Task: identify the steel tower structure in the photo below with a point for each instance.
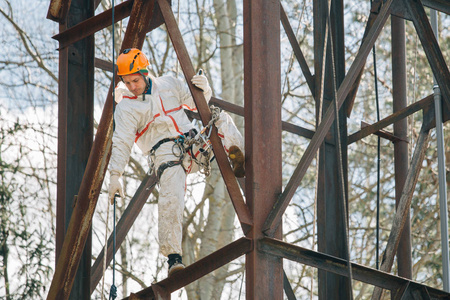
(82, 164)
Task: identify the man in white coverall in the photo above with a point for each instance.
(150, 112)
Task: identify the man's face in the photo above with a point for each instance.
(135, 83)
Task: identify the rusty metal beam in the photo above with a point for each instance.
(401, 11)
(75, 136)
(339, 266)
(298, 130)
(159, 293)
(288, 288)
(104, 20)
(424, 104)
(280, 206)
(401, 159)
(199, 269)
(430, 46)
(385, 134)
(440, 5)
(123, 226)
(237, 199)
(81, 219)
(327, 262)
(228, 106)
(103, 64)
(58, 10)
(412, 290)
(404, 205)
(401, 114)
(94, 24)
(63, 107)
(262, 98)
(239, 110)
(297, 51)
(332, 187)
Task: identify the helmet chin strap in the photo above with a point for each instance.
(147, 86)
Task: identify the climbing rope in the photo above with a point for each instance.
(113, 290)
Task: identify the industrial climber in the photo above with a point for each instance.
(150, 112)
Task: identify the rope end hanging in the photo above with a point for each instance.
(113, 292)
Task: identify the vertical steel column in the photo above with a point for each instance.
(331, 224)
(62, 148)
(441, 168)
(401, 161)
(264, 272)
(75, 133)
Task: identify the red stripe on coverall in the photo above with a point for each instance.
(139, 134)
(180, 107)
(172, 110)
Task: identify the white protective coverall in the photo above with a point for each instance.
(147, 120)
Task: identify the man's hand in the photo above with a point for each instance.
(115, 187)
(200, 81)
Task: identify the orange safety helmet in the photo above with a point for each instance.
(131, 61)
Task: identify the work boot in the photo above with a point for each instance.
(175, 263)
(237, 161)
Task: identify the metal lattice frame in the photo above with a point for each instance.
(262, 246)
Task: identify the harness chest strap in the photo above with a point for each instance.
(158, 144)
(191, 133)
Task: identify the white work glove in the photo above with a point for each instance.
(115, 187)
(200, 81)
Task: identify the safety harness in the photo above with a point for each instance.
(184, 145)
